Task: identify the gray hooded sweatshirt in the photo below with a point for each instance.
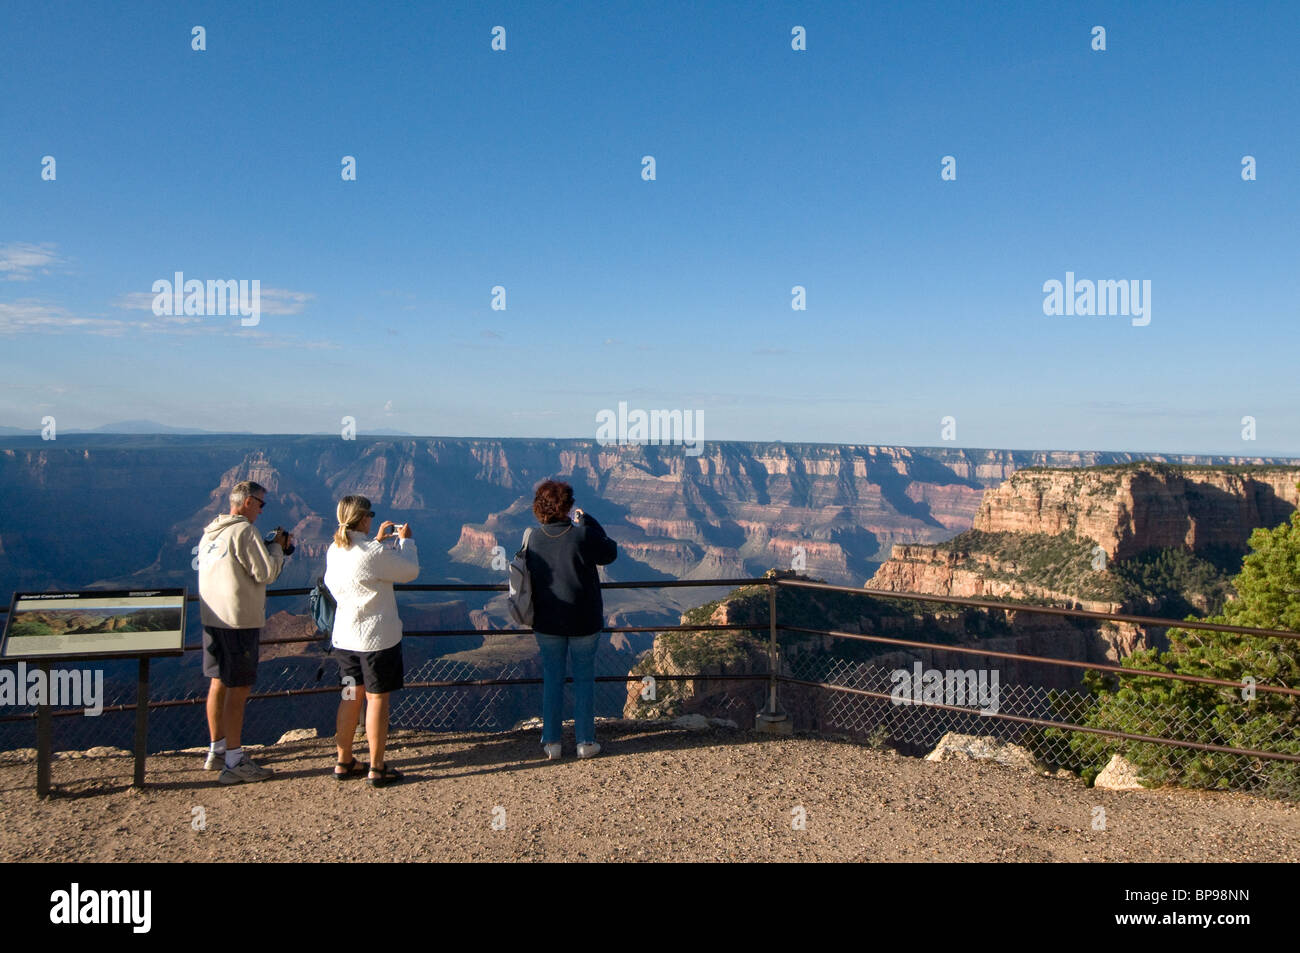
(234, 568)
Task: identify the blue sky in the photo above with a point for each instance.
(774, 168)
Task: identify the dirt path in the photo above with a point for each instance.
(655, 793)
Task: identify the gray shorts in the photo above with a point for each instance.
(231, 655)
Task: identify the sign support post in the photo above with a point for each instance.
(44, 736)
(141, 721)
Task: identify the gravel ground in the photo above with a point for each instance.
(655, 793)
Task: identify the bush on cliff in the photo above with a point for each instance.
(1268, 589)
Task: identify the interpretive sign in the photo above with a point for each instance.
(94, 624)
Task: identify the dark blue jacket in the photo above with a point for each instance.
(562, 560)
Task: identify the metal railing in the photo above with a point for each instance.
(786, 677)
(1051, 721)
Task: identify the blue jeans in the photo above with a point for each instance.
(582, 650)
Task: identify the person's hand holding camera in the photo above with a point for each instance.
(282, 538)
(390, 530)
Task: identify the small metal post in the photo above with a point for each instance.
(772, 719)
(773, 658)
(44, 736)
(141, 721)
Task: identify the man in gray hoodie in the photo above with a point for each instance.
(234, 567)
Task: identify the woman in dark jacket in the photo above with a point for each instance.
(568, 613)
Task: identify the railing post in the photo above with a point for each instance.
(141, 721)
(772, 720)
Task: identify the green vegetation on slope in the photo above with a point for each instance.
(1062, 563)
(1183, 583)
(1167, 580)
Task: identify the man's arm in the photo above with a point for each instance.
(261, 562)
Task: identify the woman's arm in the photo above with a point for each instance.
(397, 565)
(600, 548)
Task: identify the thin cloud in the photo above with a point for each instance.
(22, 261)
(261, 339)
(30, 316)
(282, 301)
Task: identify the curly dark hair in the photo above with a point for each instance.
(552, 501)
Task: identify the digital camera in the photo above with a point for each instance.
(273, 535)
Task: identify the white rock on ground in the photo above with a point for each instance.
(1119, 775)
(103, 751)
(696, 722)
(692, 722)
(298, 734)
(982, 748)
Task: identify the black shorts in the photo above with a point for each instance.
(379, 672)
(231, 655)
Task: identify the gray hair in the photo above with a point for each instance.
(242, 491)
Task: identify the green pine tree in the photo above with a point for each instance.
(1268, 597)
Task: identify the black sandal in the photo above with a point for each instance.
(387, 776)
(353, 769)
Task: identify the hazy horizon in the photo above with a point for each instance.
(6, 433)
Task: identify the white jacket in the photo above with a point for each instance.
(361, 580)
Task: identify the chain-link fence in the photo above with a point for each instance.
(462, 708)
(879, 704)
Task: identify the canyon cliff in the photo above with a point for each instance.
(1144, 538)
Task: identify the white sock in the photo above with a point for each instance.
(218, 747)
(234, 756)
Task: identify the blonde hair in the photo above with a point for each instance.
(352, 511)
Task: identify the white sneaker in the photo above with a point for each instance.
(246, 770)
(214, 760)
(589, 751)
(552, 752)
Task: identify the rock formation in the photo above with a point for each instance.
(1128, 510)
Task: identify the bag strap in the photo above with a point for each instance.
(528, 532)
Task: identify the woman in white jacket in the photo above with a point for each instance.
(359, 573)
